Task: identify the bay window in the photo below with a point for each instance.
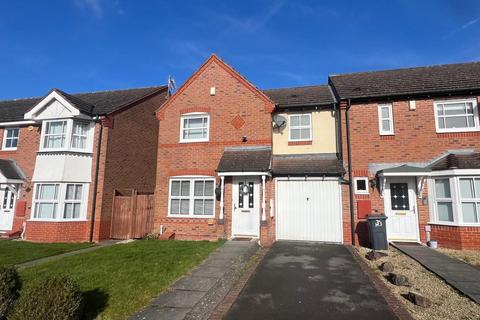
(59, 201)
(66, 135)
(456, 115)
(192, 197)
(456, 200)
(470, 199)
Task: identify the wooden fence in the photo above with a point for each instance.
(132, 215)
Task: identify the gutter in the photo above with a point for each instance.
(97, 171)
(350, 173)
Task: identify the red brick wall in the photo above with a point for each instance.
(415, 140)
(40, 231)
(25, 156)
(131, 155)
(466, 238)
(233, 98)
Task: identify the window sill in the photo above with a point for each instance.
(300, 142)
(65, 151)
(190, 217)
(193, 141)
(57, 220)
(453, 224)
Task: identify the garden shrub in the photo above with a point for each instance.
(9, 287)
(53, 298)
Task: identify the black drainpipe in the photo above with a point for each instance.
(95, 186)
(350, 178)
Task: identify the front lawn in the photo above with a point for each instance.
(15, 252)
(121, 279)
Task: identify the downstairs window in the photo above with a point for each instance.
(60, 201)
(192, 197)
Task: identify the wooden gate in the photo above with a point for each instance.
(132, 214)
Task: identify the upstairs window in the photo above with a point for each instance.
(385, 119)
(300, 127)
(10, 138)
(66, 135)
(55, 134)
(80, 135)
(194, 127)
(456, 115)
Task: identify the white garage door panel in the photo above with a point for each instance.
(309, 211)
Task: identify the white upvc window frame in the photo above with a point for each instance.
(456, 200)
(67, 145)
(366, 191)
(381, 131)
(60, 201)
(191, 197)
(476, 122)
(5, 138)
(291, 127)
(194, 115)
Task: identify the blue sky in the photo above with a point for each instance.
(90, 45)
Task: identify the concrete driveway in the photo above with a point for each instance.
(309, 281)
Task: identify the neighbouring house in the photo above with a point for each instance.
(59, 149)
(413, 136)
(235, 161)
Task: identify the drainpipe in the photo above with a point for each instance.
(350, 173)
(336, 107)
(95, 186)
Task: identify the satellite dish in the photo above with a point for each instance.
(279, 121)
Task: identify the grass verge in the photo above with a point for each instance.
(121, 279)
(14, 252)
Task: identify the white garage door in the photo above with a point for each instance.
(309, 210)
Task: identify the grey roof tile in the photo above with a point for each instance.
(305, 164)
(436, 79)
(301, 96)
(101, 102)
(245, 159)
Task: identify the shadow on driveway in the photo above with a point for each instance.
(298, 280)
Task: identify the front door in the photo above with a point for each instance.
(7, 209)
(245, 204)
(401, 209)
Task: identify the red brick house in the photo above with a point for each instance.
(234, 161)
(412, 136)
(63, 155)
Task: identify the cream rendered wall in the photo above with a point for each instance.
(323, 135)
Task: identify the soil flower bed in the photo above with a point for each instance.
(447, 303)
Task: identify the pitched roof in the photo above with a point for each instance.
(438, 79)
(245, 159)
(222, 64)
(304, 164)
(10, 170)
(301, 96)
(457, 161)
(101, 102)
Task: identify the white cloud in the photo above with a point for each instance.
(93, 6)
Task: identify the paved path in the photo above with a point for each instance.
(460, 275)
(309, 281)
(196, 295)
(99, 245)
